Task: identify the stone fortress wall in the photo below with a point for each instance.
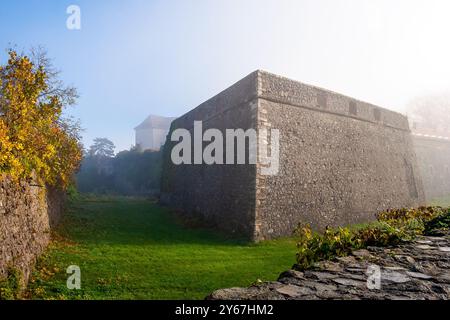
(433, 157)
(341, 161)
(28, 212)
(222, 195)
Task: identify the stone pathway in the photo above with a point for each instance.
(415, 270)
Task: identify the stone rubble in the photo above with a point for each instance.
(418, 270)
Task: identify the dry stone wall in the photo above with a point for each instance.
(341, 161)
(412, 271)
(27, 213)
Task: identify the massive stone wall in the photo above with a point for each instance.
(27, 214)
(341, 161)
(223, 195)
(433, 157)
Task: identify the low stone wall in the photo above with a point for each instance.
(27, 213)
(414, 271)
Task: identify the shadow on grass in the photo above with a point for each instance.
(131, 221)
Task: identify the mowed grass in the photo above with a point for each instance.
(134, 249)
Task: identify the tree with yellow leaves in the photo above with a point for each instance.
(34, 136)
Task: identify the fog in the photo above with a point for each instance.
(385, 52)
(430, 114)
(140, 57)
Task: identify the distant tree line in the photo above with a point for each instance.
(133, 172)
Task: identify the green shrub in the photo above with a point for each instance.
(72, 193)
(313, 246)
(11, 285)
(404, 215)
(439, 224)
(392, 227)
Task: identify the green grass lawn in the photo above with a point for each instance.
(133, 249)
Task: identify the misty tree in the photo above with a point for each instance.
(102, 147)
(133, 172)
(432, 111)
(95, 173)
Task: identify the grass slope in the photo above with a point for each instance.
(132, 249)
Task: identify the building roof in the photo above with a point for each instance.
(155, 122)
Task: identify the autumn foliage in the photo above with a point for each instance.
(34, 136)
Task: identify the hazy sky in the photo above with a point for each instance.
(133, 58)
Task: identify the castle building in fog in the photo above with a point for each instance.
(151, 133)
